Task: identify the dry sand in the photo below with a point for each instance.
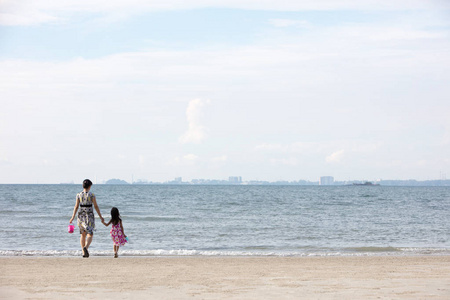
(422, 277)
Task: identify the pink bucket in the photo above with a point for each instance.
(71, 228)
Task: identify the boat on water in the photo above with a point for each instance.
(367, 183)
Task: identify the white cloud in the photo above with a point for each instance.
(422, 163)
(333, 88)
(271, 147)
(402, 34)
(335, 157)
(297, 147)
(29, 12)
(218, 159)
(4, 162)
(196, 132)
(141, 159)
(386, 32)
(190, 157)
(291, 161)
(360, 147)
(26, 19)
(363, 147)
(185, 160)
(446, 137)
(289, 23)
(296, 66)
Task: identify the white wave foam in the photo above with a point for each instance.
(188, 252)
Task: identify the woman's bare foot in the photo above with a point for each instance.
(85, 252)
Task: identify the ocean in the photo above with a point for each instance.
(236, 220)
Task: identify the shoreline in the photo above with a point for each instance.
(213, 277)
(109, 255)
(388, 251)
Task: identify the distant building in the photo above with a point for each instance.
(235, 179)
(178, 179)
(326, 180)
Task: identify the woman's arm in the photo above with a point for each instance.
(121, 227)
(77, 203)
(94, 200)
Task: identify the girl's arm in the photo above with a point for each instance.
(94, 200)
(106, 224)
(121, 227)
(77, 203)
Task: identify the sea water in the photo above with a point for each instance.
(236, 220)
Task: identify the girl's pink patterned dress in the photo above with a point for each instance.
(117, 235)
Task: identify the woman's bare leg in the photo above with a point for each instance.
(83, 239)
(88, 240)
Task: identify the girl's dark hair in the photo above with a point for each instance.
(87, 184)
(115, 216)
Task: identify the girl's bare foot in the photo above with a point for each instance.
(116, 255)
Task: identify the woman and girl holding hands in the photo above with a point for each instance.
(86, 221)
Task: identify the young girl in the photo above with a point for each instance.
(117, 234)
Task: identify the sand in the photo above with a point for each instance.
(421, 277)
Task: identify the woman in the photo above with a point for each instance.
(86, 220)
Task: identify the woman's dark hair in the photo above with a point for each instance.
(87, 184)
(115, 216)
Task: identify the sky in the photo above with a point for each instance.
(266, 90)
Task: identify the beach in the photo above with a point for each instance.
(369, 277)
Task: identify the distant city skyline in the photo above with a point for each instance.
(269, 91)
(237, 180)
